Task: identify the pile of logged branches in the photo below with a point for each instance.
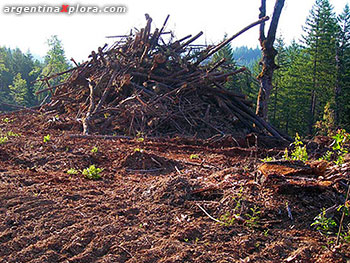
(142, 85)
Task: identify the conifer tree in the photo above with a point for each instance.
(278, 81)
(320, 40)
(290, 79)
(12, 63)
(55, 62)
(19, 91)
(342, 113)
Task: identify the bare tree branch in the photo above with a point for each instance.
(225, 42)
(262, 25)
(271, 36)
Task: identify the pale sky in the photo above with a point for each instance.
(82, 33)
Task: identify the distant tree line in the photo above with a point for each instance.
(18, 72)
(247, 57)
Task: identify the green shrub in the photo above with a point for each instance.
(338, 152)
(92, 173)
(324, 224)
(268, 159)
(47, 138)
(94, 149)
(194, 156)
(253, 216)
(3, 139)
(299, 152)
(72, 171)
(340, 139)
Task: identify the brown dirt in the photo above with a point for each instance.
(146, 207)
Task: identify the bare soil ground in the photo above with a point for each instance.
(149, 205)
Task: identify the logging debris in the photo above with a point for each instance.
(142, 85)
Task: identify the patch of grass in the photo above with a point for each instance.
(12, 134)
(138, 150)
(253, 217)
(338, 152)
(3, 139)
(94, 149)
(230, 218)
(346, 236)
(194, 156)
(72, 171)
(141, 139)
(324, 224)
(268, 159)
(92, 173)
(196, 240)
(47, 138)
(266, 232)
(299, 152)
(7, 120)
(327, 156)
(327, 225)
(338, 145)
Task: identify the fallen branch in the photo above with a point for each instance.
(212, 218)
(343, 215)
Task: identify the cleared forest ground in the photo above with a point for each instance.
(153, 201)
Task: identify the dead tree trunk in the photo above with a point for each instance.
(268, 57)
